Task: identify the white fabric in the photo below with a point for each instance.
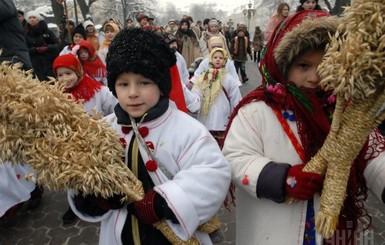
(220, 111)
(201, 175)
(65, 50)
(103, 102)
(255, 138)
(191, 99)
(204, 65)
(14, 188)
(182, 68)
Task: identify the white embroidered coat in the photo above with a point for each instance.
(103, 102)
(255, 138)
(201, 175)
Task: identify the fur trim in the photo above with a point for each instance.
(310, 34)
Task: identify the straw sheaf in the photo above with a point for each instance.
(41, 126)
(357, 52)
(310, 34)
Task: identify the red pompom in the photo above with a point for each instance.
(123, 142)
(126, 130)
(150, 145)
(143, 131)
(245, 180)
(151, 165)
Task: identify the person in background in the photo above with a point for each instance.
(282, 13)
(130, 23)
(20, 15)
(92, 34)
(191, 99)
(12, 44)
(188, 45)
(143, 21)
(172, 27)
(308, 5)
(92, 65)
(110, 30)
(258, 41)
(138, 65)
(42, 45)
(219, 94)
(240, 48)
(78, 34)
(214, 42)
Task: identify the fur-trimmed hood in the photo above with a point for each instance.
(310, 34)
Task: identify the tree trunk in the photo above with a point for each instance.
(58, 11)
(85, 9)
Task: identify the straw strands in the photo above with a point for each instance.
(353, 67)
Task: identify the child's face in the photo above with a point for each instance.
(241, 34)
(218, 59)
(110, 35)
(303, 71)
(214, 28)
(136, 93)
(78, 38)
(184, 26)
(143, 22)
(33, 20)
(90, 28)
(67, 76)
(83, 54)
(309, 4)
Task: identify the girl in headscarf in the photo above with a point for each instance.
(219, 94)
(277, 128)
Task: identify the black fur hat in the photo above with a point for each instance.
(80, 30)
(141, 52)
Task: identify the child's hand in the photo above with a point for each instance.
(150, 209)
(302, 185)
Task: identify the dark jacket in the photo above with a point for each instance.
(37, 37)
(12, 40)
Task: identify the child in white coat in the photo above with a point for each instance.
(219, 94)
(184, 174)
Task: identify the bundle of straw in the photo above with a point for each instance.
(42, 126)
(353, 68)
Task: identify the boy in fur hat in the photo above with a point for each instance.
(277, 128)
(219, 94)
(169, 151)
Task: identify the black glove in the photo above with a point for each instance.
(383, 196)
(96, 205)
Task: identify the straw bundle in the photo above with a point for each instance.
(353, 69)
(42, 126)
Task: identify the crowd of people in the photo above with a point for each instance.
(189, 136)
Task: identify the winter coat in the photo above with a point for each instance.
(12, 41)
(41, 36)
(258, 40)
(256, 137)
(185, 157)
